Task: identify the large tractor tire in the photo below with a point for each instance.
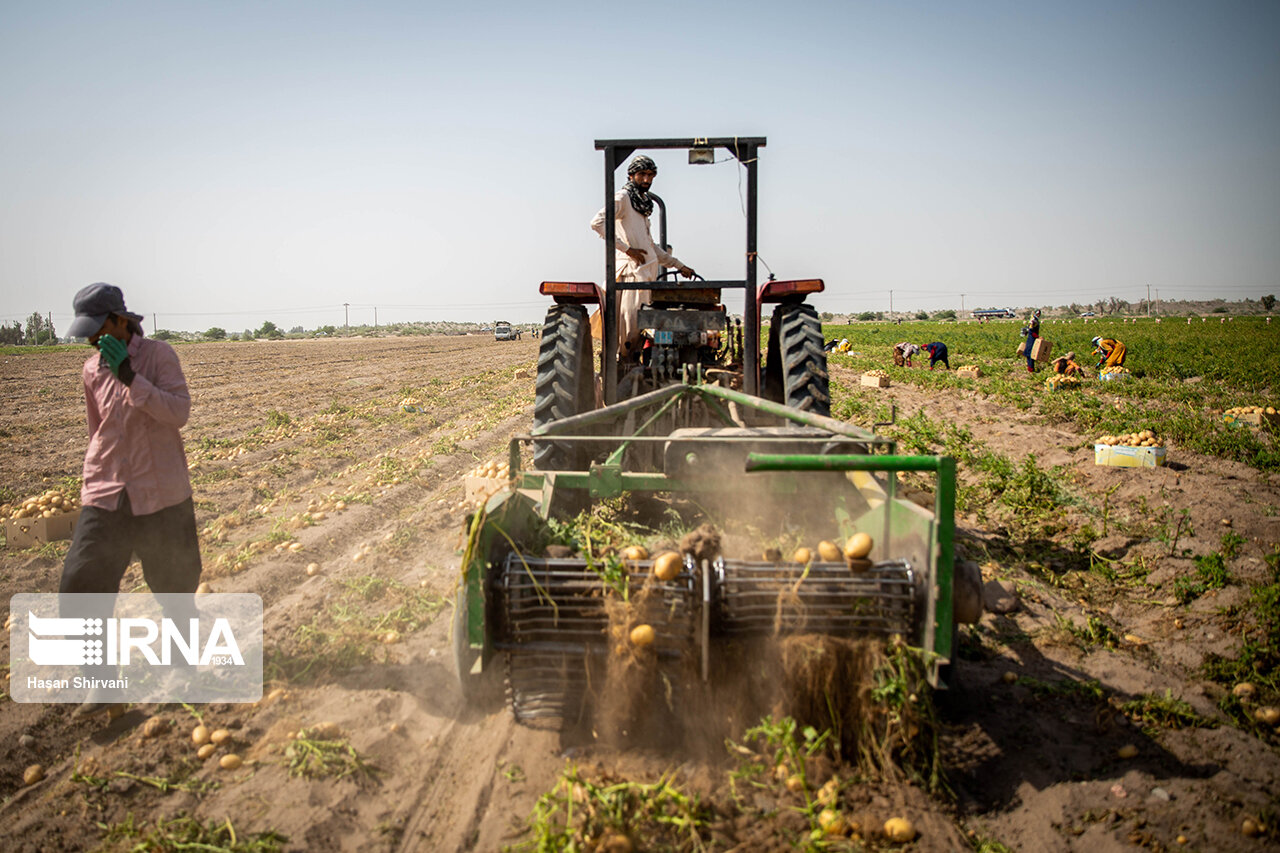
(566, 383)
(795, 365)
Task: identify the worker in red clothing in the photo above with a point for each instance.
(136, 495)
(937, 353)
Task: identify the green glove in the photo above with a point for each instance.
(117, 357)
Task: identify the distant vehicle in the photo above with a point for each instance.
(992, 313)
(504, 331)
(1088, 314)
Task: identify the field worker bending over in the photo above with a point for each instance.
(638, 258)
(136, 495)
(903, 352)
(1067, 366)
(1110, 352)
(937, 353)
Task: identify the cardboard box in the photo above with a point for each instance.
(1124, 456)
(1022, 348)
(1261, 419)
(875, 381)
(1041, 349)
(969, 374)
(483, 487)
(1113, 377)
(25, 532)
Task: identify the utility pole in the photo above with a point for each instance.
(153, 325)
(890, 304)
(346, 318)
(53, 339)
(375, 319)
(962, 303)
(1157, 300)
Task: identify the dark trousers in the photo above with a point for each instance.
(106, 540)
(939, 355)
(103, 544)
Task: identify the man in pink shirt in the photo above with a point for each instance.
(136, 495)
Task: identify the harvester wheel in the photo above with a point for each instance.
(566, 383)
(796, 365)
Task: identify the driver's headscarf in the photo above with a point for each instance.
(639, 197)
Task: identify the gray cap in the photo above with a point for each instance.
(93, 304)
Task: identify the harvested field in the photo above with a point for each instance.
(1125, 606)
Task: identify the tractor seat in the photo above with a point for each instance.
(689, 297)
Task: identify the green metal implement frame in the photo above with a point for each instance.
(510, 513)
(939, 594)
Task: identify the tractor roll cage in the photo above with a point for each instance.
(745, 149)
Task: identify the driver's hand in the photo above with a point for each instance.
(636, 255)
(687, 272)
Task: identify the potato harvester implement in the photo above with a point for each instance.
(696, 437)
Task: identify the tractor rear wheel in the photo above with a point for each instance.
(796, 365)
(566, 383)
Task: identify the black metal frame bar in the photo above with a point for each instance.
(745, 149)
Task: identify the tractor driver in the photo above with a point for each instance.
(638, 257)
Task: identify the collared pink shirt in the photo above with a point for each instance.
(134, 443)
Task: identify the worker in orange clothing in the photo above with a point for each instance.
(1067, 366)
(1109, 351)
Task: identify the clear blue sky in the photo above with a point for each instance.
(233, 162)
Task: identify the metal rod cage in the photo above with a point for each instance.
(745, 149)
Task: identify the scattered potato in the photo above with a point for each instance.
(642, 635)
(231, 761)
(803, 556)
(667, 566)
(1250, 828)
(795, 783)
(832, 822)
(200, 735)
(858, 546)
(220, 736)
(205, 751)
(324, 731)
(828, 552)
(1127, 751)
(1244, 690)
(313, 569)
(1268, 715)
(155, 726)
(1009, 678)
(32, 774)
(613, 841)
(899, 830)
(635, 553)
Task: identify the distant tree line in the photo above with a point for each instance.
(38, 330)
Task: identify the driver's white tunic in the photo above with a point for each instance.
(632, 232)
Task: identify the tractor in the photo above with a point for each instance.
(695, 423)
